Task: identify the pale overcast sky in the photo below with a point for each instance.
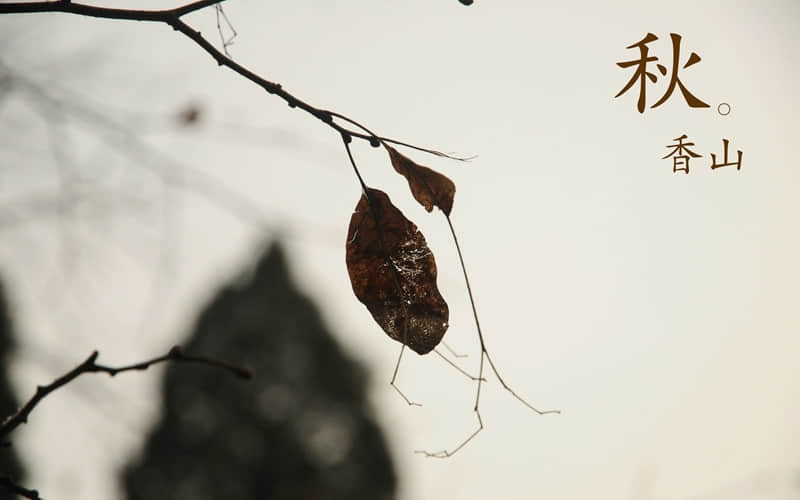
(657, 309)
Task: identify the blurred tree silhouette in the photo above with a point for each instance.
(9, 463)
(301, 429)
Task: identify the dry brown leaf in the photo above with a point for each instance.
(429, 187)
(393, 273)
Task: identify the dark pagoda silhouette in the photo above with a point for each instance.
(301, 429)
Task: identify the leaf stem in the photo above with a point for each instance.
(346, 141)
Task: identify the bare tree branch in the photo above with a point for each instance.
(172, 17)
(91, 366)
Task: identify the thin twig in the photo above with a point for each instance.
(453, 351)
(376, 140)
(394, 378)
(484, 355)
(226, 42)
(429, 151)
(458, 368)
(90, 365)
(450, 453)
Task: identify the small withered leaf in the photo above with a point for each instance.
(429, 187)
(393, 273)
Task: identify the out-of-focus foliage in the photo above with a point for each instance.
(301, 428)
(9, 463)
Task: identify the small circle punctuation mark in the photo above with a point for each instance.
(724, 108)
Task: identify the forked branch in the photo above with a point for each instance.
(90, 365)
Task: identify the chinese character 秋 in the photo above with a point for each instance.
(738, 162)
(680, 162)
(641, 72)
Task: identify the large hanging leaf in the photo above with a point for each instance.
(393, 273)
(429, 187)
